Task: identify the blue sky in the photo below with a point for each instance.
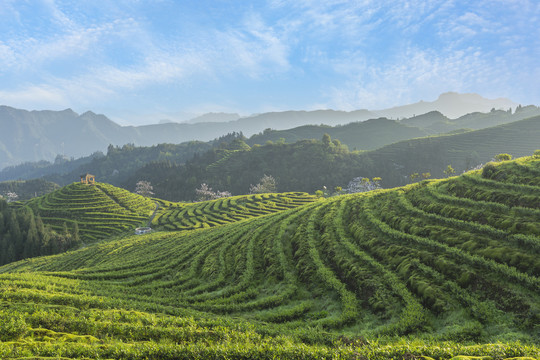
(142, 61)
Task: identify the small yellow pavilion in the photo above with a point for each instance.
(88, 179)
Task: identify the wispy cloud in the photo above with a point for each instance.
(335, 53)
(416, 75)
(44, 97)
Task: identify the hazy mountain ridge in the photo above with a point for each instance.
(389, 136)
(42, 135)
(451, 104)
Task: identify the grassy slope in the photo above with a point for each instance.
(454, 260)
(104, 210)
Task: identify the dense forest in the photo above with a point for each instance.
(27, 189)
(306, 165)
(24, 235)
(113, 167)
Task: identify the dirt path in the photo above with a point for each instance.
(153, 215)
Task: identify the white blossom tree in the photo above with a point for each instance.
(11, 196)
(363, 184)
(205, 193)
(267, 184)
(144, 188)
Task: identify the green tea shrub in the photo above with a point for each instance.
(12, 327)
(488, 171)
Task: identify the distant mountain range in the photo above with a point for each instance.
(42, 135)
(451, 104)
(228, 163)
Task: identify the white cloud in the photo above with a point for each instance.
(35, 96)
(7, 57)
(82, 43)
(414, 76)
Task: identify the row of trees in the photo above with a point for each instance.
(23, 235)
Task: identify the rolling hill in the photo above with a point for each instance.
(454, 263)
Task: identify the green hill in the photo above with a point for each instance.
(92, 212)
(305, 166)
(463, 151)
(449, 262)
(375, 133)
(365, 135)
(99, 210)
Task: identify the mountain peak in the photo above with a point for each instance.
(451, 104)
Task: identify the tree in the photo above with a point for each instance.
(414, 176)
(326, 139)
(11, 196)
(144, 188)
(267, 184)
(362, 184)
(205, 193)
(503, 157)
(426, 175)
(449, 171)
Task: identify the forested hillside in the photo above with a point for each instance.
(27, 189)
(309, 165)
(24, 235)
(461, 151)
(306, 166)
(366, 135)
(454, 263)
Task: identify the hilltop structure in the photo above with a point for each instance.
(88, 179)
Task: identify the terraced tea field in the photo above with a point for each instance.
(448, 262)
(183, 216)
(100, 210)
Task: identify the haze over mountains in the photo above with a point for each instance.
(42, 135)
(451, 104)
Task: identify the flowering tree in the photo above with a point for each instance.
(11, 196)
(205, 193)
(363, 184)
(144, 188)
(267, 184)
